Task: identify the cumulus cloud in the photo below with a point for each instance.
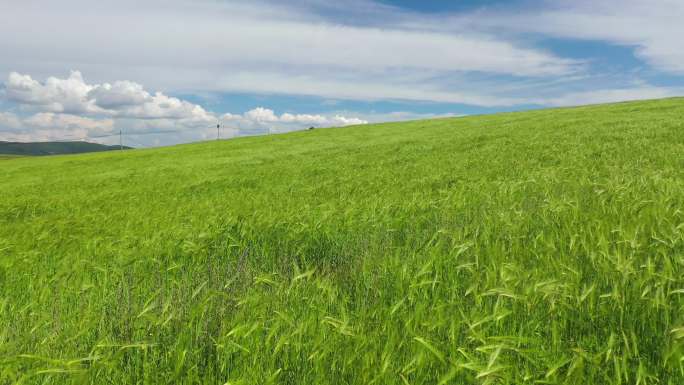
(261, 115)
(122, 99)
(68, 95)
(162, 106)
(260, 118)
(117, 95)
(320, 120)
(70, 108)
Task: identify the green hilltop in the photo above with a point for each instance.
(541, 247)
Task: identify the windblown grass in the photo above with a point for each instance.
(542, 247)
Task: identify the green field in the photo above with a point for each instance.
(542, 247)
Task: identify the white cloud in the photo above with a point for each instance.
(51, 126)
(234, 33)
(302, 118)
(51, 120)
(122, 99)
(68, 95)
(161, 106)
(653, 29)
(385, 87)
(362, 51)
(303, 50)
(263, 118)
(261, 115)
(102, 109)
(338, 120)
(117, 95)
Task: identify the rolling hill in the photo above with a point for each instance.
(542, 247)
(52, 148)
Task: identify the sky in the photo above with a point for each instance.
(167, 72)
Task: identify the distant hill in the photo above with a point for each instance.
(53, 148)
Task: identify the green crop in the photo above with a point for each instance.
(542, 247)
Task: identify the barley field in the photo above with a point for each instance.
(542, 247)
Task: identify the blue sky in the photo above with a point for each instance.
(165, 72)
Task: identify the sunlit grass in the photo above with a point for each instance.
(542, 247)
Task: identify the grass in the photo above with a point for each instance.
(542, 247)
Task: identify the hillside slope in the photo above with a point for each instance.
(536, 247)
(52, 148)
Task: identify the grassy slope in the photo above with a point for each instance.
(543, 246)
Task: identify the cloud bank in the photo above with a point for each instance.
(70, 108)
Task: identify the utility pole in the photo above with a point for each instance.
(121, 140)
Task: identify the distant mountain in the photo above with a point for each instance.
(53, 148)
